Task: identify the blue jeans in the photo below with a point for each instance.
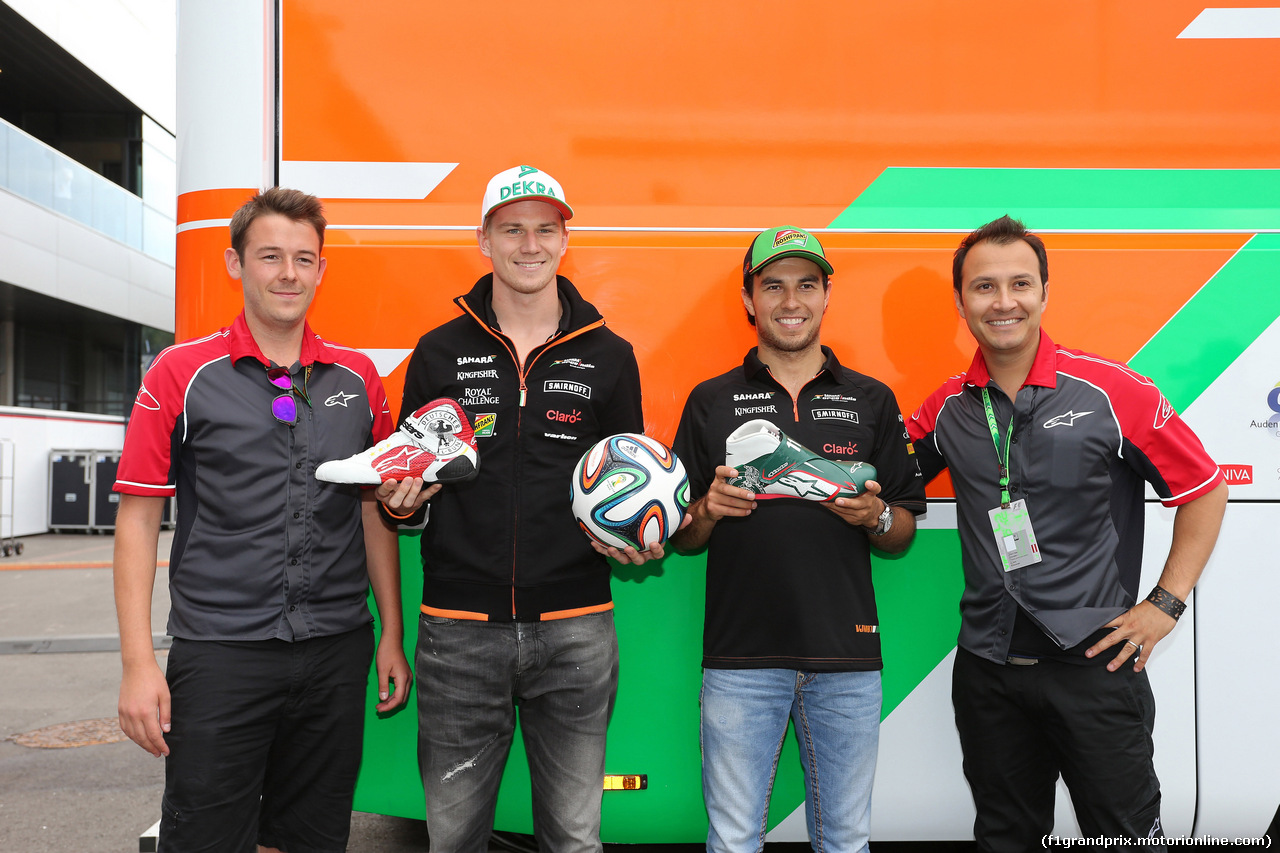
(744, 721)
(472, 676)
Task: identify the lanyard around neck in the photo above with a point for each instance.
(1005, 499)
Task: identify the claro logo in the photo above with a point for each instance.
(841, 449)
(564, 417)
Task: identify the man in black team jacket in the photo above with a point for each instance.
(516, 607)
(791, 627)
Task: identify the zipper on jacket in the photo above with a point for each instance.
(522, 370)
(795, 401)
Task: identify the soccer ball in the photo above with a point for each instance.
(629, 489)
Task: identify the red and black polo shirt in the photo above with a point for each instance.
(262, 549)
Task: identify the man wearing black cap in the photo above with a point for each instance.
(516, 606)
(791, 628)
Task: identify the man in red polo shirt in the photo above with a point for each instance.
(260, 712)
(1049, 451)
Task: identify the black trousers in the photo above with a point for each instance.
(1023, 726)
(266, 743)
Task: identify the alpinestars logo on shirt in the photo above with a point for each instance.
(1069, 419)
(339, 399)
(146, 400)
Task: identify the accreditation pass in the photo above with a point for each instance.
(1015, 539)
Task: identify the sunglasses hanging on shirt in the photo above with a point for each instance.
(284, 407)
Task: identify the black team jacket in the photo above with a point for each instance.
(504, 546)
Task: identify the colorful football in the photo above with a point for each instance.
(629, 489)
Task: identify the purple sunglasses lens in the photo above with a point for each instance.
(280, 378)
(285, 409)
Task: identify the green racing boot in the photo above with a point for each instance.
(774, 466)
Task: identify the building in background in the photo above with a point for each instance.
(87, 213)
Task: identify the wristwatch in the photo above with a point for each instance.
(884, 521)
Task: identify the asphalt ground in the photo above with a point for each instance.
(70, 782)
(60, 665)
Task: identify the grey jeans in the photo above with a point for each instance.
(562, 675)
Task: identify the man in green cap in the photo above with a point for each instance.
(791, 628)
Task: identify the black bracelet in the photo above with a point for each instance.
(1167, 602)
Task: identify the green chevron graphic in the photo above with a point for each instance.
(1216, 325)
(1209, 332)
(928, 199)
(654, 729)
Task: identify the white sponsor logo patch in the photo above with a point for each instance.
(479, 397)
(564, 386)
(835, 415)
(739, 411)
(574, 362)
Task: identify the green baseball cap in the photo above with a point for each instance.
(784, 242)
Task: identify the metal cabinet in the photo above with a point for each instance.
(70, 488)
(80, 495)
(105, 501)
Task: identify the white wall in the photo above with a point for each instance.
(226, 133)
(51, 254)
(132, 44)
(1236, 679)
(34, 432)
